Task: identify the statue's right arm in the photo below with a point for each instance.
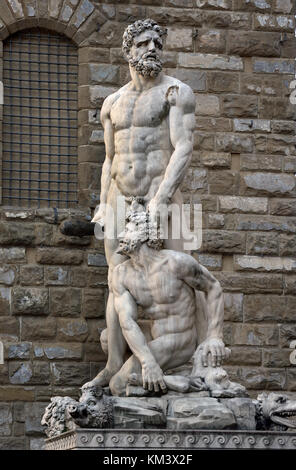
(106, 169)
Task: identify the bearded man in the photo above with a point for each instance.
(148, 132)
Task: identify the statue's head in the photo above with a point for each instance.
(138, 230)
(142, 47)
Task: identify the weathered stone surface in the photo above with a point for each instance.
(5, 419)
(223, 182)
(216, 4)
(31, 275)
(271, 308)
(65, 302)
(251, 283)
(34, 412)
(93, 303)
(211, 40)
(287, 335)
(194, 179)
(276, 357)
(253, 5)
(243, 204)
(56, 276)
(255, 335)
(283, 6)
(203, 141)
(273, 66)
(245, 44)
(223, 82)
(13, 233)
(58, 256)
(274, 22)
(216, 221)
(58, 351)
(199, 413)
(210, 261)
(276, 108)
(287, 245)
(282, 206)
(36, 373)
(96, 259)
(12, 255)
(268, 184)
(263, 379)
(240, 106)
(232, 20)
(223, 241)
(234, 143)
(7, 275)
(179, 39)
(5, 300)
(268, 264)
(14, 443)
(243, 410)
(196, 79)
(210, 61)
(244, 356)
(233, 307)
(251, 125)
(9, 326)
(29, 301)
(72, 330)
(262, 244)
(261, 162)
(216, 159)
(147, 412)
(265, 223)
(38, 330)
(68, 374)
(19, 350)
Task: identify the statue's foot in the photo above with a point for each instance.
(101, 380)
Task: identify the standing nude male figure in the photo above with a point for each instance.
(148, 131)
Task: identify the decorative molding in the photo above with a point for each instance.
(94, 439)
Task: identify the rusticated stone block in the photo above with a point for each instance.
(222, 182)
(65, 302)
(258, 44)
(276, 108)
(251, 283)
(283, 127)
(210, 61)
(261, 85)
(68, 374)
(87, 55)
(243, 204)
(58, 351)
(5, 300)
(58, 256)
(253, 5)
(93, 303)
(207, 105)
(34, 413)
(216, 4)
(216, 221)
(290, 164)
(287, 335)
(231, 20)
(275, 184)
(261, 162)
(282, 206)
(9, 326)
(281, 144)
(263, 379)
(93, 352)
(284, 6)
(72, 330)
(264, 308)
(276, 357)
(15, 443)
(273, 66)
(179, 39)
(262, 244)
(255, 335)
(223, 82)
(18, 350)
(99, 73)
(12, 255)
(196, 79)
(240, 106)
(56, 276)
(7, 275)
(29, 373)
(5, 419)
(251, 125)
(216, 159)
(267, 263)
(31, 275)
(38, 330)
(14, 233)
(234, 143)
(290, 284)
(167, 16)
(213, 124)
(244, 411)
(97, 277)
(211, 41)
(265, 223)
(274, 22)
(15, 394)
(291, 379)
(244, 356)
(223, 241)
(203, 141)
(210, 261)
(194, 179)
(29, 301)
(233, 307)
(287, 245)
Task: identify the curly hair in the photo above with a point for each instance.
(137, 28)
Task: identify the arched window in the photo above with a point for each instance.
(40, 77)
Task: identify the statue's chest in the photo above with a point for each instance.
(147, 109)
(155, 288)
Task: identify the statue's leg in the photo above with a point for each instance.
(169, 351)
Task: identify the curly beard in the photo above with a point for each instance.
(147, 67)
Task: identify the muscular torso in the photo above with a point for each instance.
(140, 122)
(168, 302)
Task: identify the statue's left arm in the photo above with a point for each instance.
(199, 278)
(181, 125)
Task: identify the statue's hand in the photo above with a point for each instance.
(153, 377)
(216, 348)
(99, 216)
(155, 209)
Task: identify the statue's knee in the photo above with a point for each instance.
(104, 341)
(117, 386)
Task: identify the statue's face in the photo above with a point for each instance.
(133, 237)
(146, 53)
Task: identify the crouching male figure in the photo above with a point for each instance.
(162, 282)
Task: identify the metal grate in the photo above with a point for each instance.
(40, 76)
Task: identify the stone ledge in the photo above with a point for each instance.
(96, 439)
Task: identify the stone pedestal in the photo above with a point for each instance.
(165, 439)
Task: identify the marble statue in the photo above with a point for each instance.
(148, 131)
(275, 411)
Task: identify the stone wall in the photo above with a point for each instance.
(238, 56)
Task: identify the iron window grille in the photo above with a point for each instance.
(40, 77)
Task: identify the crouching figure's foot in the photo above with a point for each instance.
(101, 380)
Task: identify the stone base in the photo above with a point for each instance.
(133, 439)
